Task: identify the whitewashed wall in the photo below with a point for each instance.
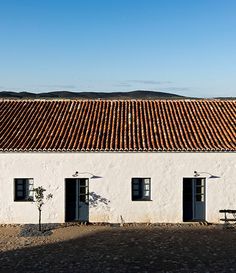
(166, 171)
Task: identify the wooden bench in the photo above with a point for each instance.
(231, 213)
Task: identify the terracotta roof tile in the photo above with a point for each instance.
(125, 125)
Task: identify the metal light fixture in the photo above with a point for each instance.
(76, 174)
(211, 176)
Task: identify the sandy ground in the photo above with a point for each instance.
(179, 248)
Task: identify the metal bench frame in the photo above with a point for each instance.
(226, 219)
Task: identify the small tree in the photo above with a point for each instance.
(40, 201)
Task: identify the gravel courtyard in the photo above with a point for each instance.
(164, 248)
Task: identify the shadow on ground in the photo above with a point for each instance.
(130, 250)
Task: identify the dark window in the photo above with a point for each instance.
(24, 189)
(141, 189)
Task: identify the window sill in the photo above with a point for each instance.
(141, 200)
(23, 200)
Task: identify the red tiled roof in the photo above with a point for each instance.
(127, 125)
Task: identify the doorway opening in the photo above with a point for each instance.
(76, 199)
(194, 199)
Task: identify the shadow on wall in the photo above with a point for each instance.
(95, 200)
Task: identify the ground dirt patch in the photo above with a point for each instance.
(169, 248)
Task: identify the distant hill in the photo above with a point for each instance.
(138, 94)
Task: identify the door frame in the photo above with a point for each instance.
(193, 198)
(65, 200)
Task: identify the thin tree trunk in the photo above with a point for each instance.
(40, 228)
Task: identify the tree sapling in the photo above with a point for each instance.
(40, 201)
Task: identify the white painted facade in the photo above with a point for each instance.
(166, 170)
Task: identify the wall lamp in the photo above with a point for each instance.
(211, 176)
(76, 174)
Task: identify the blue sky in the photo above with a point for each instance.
(185, 47)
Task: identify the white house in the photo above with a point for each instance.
(117, 161)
